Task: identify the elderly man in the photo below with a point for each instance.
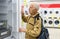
(32, 29)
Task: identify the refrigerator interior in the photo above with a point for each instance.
(9, 19)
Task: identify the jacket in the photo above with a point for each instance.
(33, 30)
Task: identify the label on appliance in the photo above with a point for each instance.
(1, 23)
(50, 5)
(4, 33)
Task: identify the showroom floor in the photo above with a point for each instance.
(54, 33)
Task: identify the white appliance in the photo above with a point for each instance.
(9, 19)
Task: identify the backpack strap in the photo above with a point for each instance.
(37, 16)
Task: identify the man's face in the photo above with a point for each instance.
(32, 9)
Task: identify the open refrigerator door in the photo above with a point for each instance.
(9, 19)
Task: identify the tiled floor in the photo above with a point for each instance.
(54, 33)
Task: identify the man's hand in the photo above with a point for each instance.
(22, 10)
(22, 30)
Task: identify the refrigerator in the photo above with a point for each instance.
(9, 19)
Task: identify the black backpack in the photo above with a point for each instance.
(44, 31)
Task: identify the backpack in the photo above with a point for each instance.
(44, 31)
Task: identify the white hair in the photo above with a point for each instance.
(35, 5)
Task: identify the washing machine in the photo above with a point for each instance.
(50, 22)
(45, 22)
(51, 13)
(56, 22)
(57, 12)
(56, 17)
(45, 12)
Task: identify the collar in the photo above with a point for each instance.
(35, 14)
